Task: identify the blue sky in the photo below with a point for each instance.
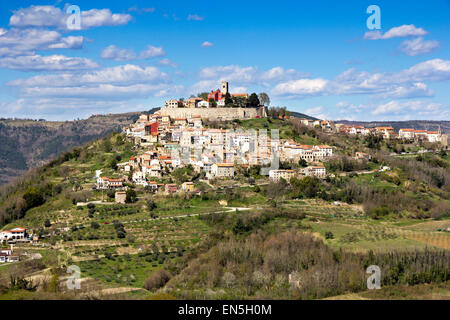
(316, 57)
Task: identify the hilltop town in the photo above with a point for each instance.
(138, 210)
(171, 142)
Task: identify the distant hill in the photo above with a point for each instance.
(302, 115)
(429, 125)
(26, 143)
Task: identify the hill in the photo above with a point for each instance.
(302, 115)
(238, 238)
(26, 143)
(430, 125)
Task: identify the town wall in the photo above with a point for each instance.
(215, 113)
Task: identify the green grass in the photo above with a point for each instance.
(121, 271)
(375, 182)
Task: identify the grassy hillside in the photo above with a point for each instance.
(235, 242)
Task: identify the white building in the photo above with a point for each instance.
(315, 171)
(276, 175)
(203, 104)
(13, 234)
(222, 170)
(172, 103)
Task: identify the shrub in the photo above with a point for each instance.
(157, 280)
(329, 235)
(131, 196)
(94, 225)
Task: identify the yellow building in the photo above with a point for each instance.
(188, 187)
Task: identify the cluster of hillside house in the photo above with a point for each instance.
(389, 133)
(294, 152)
(318, 171)
(430, 136)
(175, 143)
(325, 125)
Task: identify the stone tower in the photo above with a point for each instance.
(224, 89)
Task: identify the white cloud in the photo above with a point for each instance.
(26, 41)
(418, 46)
(167, 62)
(396, 32)
(232, 73)
(431, 70)
(207, 44)
(239, 89)
(47, 63)
(94, 90)
(50, 16)
(113, 53)
(202, 86)
(417, 89)
(279, 73)
(301, 87)
(351, 108)
(407, 83)
(152, 52)
(247, 75)
(120, 75)
(37, 16)
(102, 91)
(194, 17)
(421, 108)
(104, 17)
(141, 10)
(64, 109)
(317, 112)
(68, 43)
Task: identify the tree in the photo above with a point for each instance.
(131, 196)
(212, 103)
(106, 146)
(240, 102)
(264, 99)
(47, 223)
(203, 95)
(157, 280)
(113, 164)
(253, 100)
(228, 99)
(53, 286)
(33, 198)
(329, 235)
(95, 225)
(302, 163)
(151, 204)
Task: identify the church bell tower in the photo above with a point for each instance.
(224, 89)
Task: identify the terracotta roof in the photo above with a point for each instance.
(225, 164)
